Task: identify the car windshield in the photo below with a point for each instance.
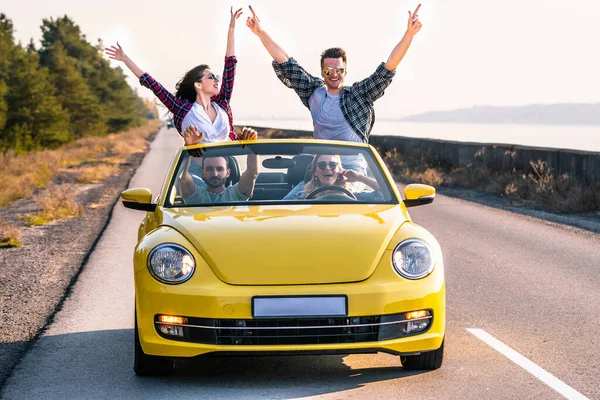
(278, 173)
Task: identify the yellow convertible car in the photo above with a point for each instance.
(284, 247)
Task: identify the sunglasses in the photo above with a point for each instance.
(212, 76)
(329, 70)
(323, 165)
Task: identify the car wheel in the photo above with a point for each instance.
(146, 365)
(426, 360)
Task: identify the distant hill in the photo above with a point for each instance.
(551, 114)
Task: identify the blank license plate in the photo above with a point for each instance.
(299, 306)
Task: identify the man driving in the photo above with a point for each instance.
(215, 172)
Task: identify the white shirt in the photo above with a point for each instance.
(217, 131)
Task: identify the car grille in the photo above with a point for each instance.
(299, 331)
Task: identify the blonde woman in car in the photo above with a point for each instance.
(327, 171)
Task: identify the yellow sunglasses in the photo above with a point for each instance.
(329, 70)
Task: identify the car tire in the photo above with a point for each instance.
(428, 360)
(146, 365)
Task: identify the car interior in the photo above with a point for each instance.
(269, 185)
(280, 170)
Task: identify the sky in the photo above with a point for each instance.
(468, 53)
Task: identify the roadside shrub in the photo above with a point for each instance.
(431, 177)
(10, 235)
(97, 173)
(55, 202)
(539, 186)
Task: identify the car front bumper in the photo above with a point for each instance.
(223, 313)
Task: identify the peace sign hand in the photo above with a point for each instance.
(234, 16)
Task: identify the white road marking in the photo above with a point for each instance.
(529, 366)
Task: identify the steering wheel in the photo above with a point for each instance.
(344, 191)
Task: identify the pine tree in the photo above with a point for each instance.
(6, 45)
(121, 106)
(63, 91)
(35, 119)
(86, 113)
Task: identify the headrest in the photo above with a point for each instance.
(296, 173)
(234, 176)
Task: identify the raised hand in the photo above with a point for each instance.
(234, 16)
(192, 136)
(253, 22)
(116, 53)
(348, 175)
(414, 25)
(248, 134)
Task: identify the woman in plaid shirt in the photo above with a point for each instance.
(198, 101)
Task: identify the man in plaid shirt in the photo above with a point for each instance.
(339, 112)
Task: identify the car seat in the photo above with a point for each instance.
(297, 173)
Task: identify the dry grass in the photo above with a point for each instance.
(22, 175)
(10, 235)
(540, 186)
(55, 202)
(97, 173)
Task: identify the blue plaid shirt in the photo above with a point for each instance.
(356, 101)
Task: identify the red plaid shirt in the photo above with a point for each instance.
(180, 107)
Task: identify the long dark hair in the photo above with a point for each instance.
(185, 87)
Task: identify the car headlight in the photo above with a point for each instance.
(413, 259)
(171, 263)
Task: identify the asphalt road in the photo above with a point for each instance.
(517, 288)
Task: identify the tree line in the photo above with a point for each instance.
(61, 91)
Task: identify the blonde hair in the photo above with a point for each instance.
(315, 183)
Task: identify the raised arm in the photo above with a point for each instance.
(187, 186)
(117, 53)
(248, 178)
(173, 104)
(231, 33)
(186, 182)
(278, 54)
(224, 94)
(414, 26)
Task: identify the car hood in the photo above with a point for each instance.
(289, 245)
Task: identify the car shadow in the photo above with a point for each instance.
(10, 352)
(100, 365)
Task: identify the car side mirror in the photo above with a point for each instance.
(138, 199)
(417, 194)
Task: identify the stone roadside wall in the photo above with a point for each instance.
(581, 165)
